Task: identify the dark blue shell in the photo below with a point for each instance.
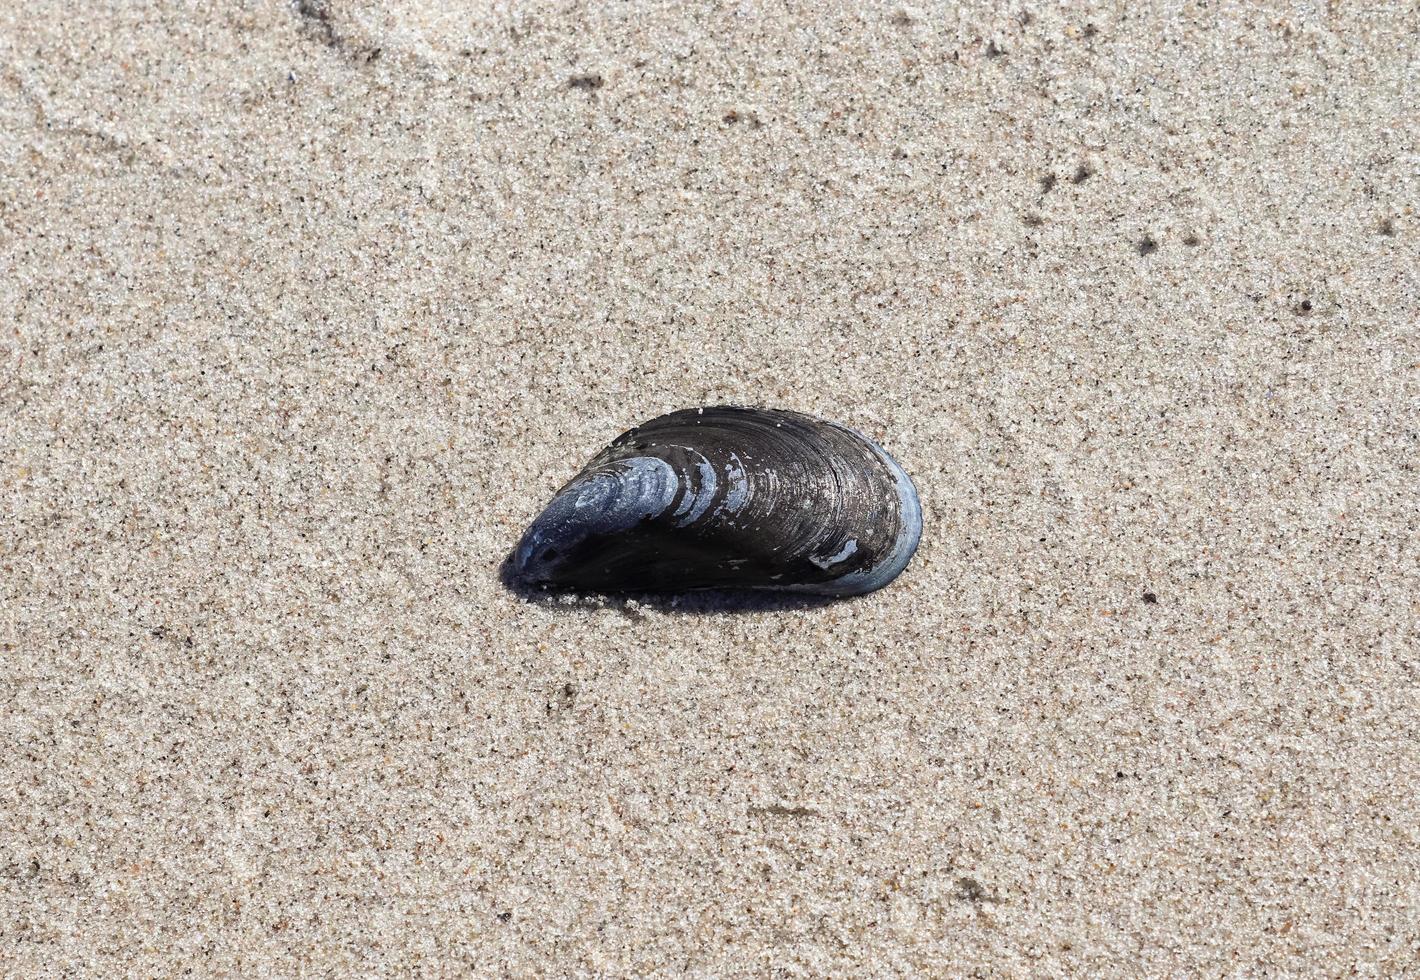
(727, 497)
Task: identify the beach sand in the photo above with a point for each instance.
(309, 307)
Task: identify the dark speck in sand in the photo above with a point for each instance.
(779, 810)
(970, 890)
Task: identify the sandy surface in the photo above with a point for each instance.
(308, 308)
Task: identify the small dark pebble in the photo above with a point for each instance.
(505, 916)
(587, 83)
(1150, 598)
(1148, 246)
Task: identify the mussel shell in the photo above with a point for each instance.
(728, 497)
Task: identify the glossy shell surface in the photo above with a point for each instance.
(728, 497)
